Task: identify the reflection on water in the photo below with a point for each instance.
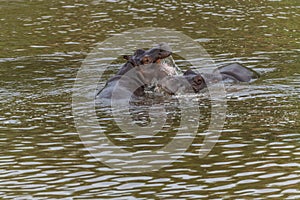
(42, 155)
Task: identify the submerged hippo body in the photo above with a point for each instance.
(237, 73)
(192, 82)
(140, 70)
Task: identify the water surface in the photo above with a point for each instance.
(43, 46)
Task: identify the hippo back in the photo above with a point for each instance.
(237, 73)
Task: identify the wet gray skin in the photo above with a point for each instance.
(192, 82)
(189, 82)
(237, 73)
(140, 70)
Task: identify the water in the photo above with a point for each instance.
(42, 156)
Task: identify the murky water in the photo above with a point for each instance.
(42, 155)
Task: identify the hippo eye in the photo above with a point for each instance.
(146, 60)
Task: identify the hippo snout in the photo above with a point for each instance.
(188, 83)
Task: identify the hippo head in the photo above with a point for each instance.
(154, 55)
(189, 82)
(149, 64)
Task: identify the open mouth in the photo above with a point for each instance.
(161, 89)
(155, 59)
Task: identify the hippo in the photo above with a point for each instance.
(237, 73)
(192, 82)
(189, 82)
(146, 70)
(140, 70)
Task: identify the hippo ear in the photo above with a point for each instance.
(189, 72)
(139, 52)
(126, 57)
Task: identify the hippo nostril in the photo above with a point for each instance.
(198, 80)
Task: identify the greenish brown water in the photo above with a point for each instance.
(43, 46)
